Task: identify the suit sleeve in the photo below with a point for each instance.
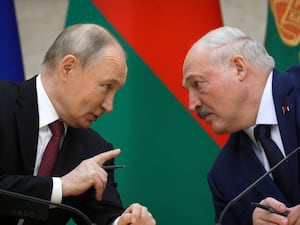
(16, 165)
(109, 208)
(29, 185)
(81, 144)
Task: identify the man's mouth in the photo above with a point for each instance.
(202, 113)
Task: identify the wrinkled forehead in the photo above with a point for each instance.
(194, 55)
(114, 50)
(196, 64)
(197, 56)
(114, 55)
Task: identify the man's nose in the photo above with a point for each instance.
(194, 101)
(107, 104)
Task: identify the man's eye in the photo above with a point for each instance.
(106, 87)
(200, 85)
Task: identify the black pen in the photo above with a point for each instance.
(112, 167)
(270, 209)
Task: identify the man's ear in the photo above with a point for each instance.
(67, 64)
(239, 63)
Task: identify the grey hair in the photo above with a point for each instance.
(225, 42)
(84, 41)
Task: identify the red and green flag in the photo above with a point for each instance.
(283, 32)
(166, 149)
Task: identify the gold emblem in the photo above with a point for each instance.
(287, 18)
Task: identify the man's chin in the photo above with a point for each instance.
(87, 124)
(218, 130)
(83, 124)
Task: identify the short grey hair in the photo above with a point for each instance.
(84, 41)
(225, 42)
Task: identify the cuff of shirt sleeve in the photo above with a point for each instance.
(56, 195)
(116, 221)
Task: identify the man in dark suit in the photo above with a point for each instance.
(81, 72)
(234, 87)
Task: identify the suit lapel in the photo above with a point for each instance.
(285, 110)
(250, 160)
(286, 116)
(27, 122)
(72, 151)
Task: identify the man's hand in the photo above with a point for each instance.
(88, 174)
(294, 215)
(264, 217)
(136, 214)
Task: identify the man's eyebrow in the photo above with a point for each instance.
(113, 80)
(186, 80)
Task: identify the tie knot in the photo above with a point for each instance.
(57, 128)
(262, 131)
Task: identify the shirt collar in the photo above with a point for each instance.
(47, 113)
(266, 111)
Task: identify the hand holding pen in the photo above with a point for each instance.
(89, 173)
(271, 211)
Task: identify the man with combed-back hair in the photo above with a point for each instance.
(80, 75)
(234, 87)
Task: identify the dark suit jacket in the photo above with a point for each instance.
(237, 166)
(18, 143)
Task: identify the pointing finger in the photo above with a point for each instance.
(103, 157)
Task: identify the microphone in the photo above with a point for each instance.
(253, 185)
(69, 208)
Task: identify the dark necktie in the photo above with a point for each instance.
(49, 156)
(51, 151)
(274, 155)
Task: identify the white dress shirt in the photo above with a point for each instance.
(266, 115)
(47, 115)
